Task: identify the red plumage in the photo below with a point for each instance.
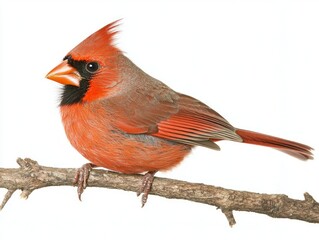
(120, 118)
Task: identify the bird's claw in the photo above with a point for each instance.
(81, 177)
(146, 186)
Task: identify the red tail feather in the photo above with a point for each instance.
(294, 149)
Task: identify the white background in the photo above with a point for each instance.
(255, 62)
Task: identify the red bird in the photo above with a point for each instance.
(122, 119)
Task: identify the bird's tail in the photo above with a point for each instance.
(294, 149)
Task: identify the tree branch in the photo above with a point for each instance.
(31, 176)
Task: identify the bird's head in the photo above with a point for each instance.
(89, 70)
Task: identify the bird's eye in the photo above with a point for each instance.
(92, 67)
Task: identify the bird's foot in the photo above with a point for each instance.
(146, 186)
(81, 177)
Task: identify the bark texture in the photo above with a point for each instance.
(31, 176)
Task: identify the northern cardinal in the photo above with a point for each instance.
(122, 119)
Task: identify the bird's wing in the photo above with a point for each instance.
(171, 116)
(196, 124)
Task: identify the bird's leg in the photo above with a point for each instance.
(146, 186)
(81, 177)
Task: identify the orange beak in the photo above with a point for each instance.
(65, 74)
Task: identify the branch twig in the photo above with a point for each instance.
(31, 176)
